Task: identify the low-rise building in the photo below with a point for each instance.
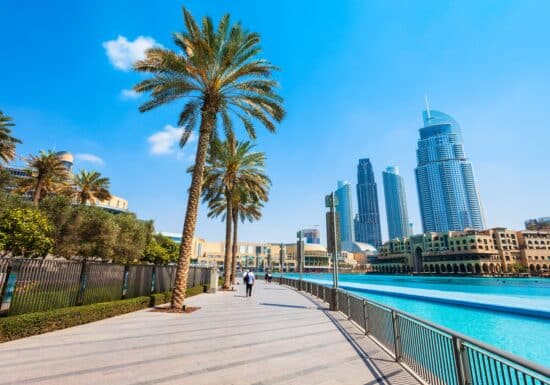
(491, 251)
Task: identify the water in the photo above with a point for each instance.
(524, 336)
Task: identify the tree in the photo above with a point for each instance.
(234, 183)
(220, 76)
(25, 232)
(59, 211)
(131, 238)
(91, 185)
(92, 234)
(7, 141)
(46, 174)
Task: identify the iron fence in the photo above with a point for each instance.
(30, 285)
(436, 355)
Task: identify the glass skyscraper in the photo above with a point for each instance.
(396, 203)
(345, 211)
(367, 222)
(447, 192)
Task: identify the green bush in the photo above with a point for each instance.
(30, 324)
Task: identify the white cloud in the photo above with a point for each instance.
(128, 94)
(123, 53)
(90, 158)
(165, 142)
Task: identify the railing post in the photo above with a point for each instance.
(125, 281)
(333, 303)
(462, 367)
(396, 336)
(8, 288)
(365, 317)
(82, 285)
(348, 298)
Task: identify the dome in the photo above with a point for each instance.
(65, 156)
(358, 247)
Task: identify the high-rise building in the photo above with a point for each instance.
(396, 203)
(344, 208)
(447, 192)
(312, 236)
(367, 222)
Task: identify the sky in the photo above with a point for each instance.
(354, 74)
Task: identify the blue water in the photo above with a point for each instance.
(525, 336)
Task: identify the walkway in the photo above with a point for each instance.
(279, 336)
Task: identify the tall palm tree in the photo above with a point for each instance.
(220, 77)
(7, 142)
(46, 174)
(90, 185)
(233, 179)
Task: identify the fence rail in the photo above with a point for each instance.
(436, 355)
(30, 285)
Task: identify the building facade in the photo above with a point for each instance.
(492, 251)
(344, 208)
(312, 236)
(447, 191)
(396, 203)
(367, 221)
(542, 223)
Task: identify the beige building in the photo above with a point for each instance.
(262, 256)
(491, 251)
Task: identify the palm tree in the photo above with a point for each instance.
(7, 142)
(234, 181)
(46, 175)
(220, 77)
(247, 206)
(90, 185)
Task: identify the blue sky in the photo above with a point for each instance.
(354, 74)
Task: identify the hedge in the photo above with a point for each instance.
(26, 325)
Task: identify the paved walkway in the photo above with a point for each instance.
(279, 336)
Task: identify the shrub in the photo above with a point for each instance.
(30, 324)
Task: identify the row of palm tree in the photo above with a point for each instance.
(235, 187)
(219, 75)
(48, 175)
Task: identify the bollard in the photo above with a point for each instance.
(213, 284)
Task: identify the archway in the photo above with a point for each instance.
(469, 268)
(485, 268)
(532, 267)
(443, 269)
(449, 268)
(437, 269)
(432, 269)
(455, 269)
(477, 268)
(462, 268)
(491, 268)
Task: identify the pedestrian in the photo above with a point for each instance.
(269, 277)
(249, 280)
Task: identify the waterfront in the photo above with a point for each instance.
(518, 334)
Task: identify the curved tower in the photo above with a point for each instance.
(447, 192)
(396, 203)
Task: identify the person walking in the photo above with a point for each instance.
(249, 280)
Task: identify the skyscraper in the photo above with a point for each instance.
(345, 211)
(312, 236)
(396, 203)
(367, 222)
(447, 192)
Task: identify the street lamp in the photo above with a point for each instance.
(331, 201)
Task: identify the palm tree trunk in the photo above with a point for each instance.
(37, 192)
(235, 218)
(227, 259)
(208, 121)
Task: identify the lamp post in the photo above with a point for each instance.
(281, 259)
(300, 255)
(331, 202)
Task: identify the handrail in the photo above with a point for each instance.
(516, 363)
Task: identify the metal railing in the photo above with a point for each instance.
(30, 285)
(434, 354)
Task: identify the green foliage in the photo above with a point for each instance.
(25, 325)
(131, 238)
(25, 232)
(90, 185)
(7, 141)
(519, 268)
(161, 250)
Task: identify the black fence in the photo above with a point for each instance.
(30, 285)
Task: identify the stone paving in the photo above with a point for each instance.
(279, 336)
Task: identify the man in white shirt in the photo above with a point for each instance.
(249, 279)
